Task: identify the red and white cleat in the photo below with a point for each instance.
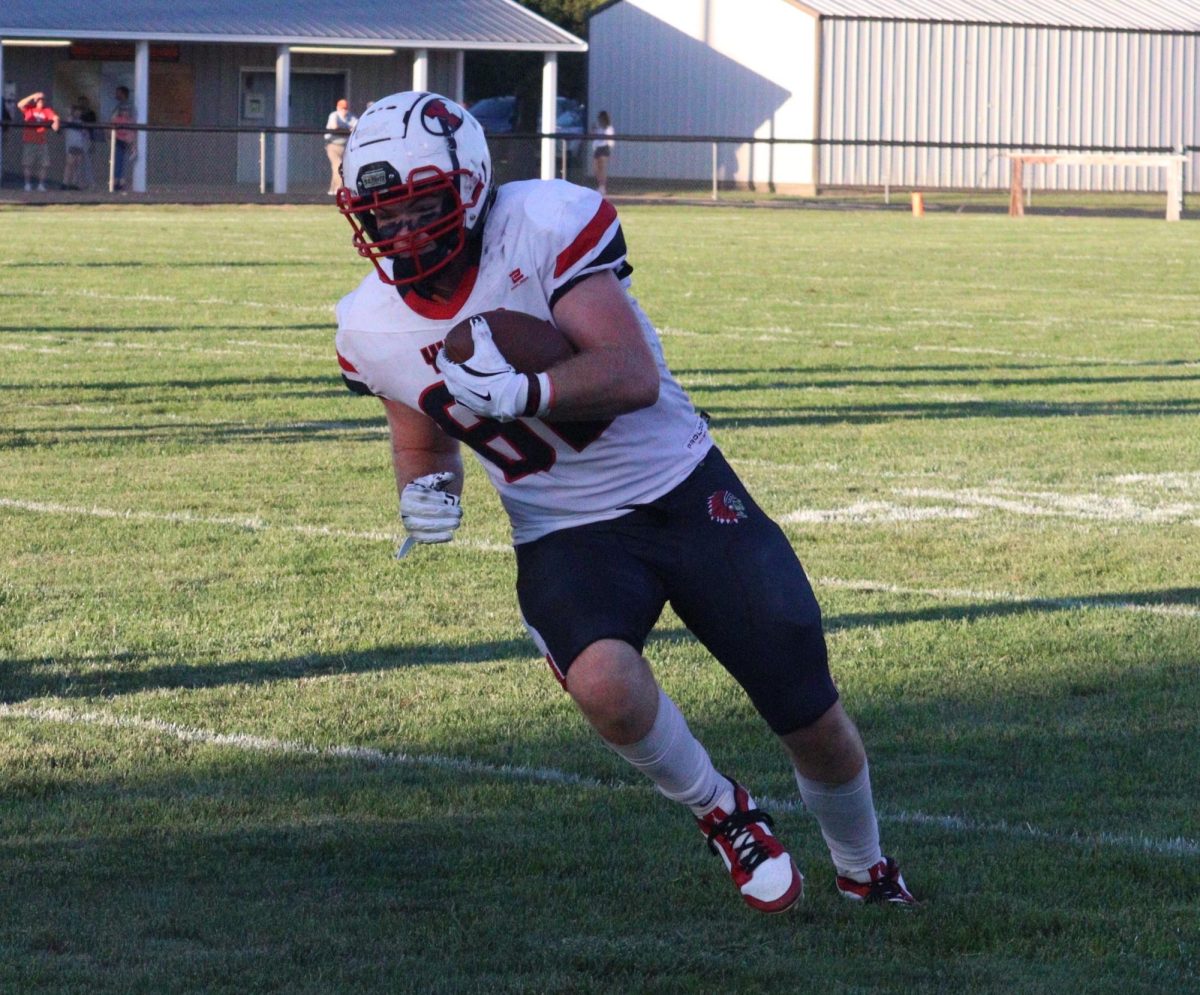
(886, 886)
(762, 870)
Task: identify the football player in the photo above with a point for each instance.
(618, 499)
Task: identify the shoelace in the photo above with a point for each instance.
(750, 851)
(887, 889)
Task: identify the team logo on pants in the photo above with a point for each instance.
(725, 508)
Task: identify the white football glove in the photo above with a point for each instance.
(429, 512)
(487, 383)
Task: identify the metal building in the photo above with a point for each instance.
(261, 62)
(1032, 73)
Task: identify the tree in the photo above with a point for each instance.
(569, 14)
(491, 73)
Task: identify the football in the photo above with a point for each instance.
(531, 344)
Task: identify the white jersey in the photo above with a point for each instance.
(541, 237)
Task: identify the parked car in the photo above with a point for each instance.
(572, 119)
(498, 116)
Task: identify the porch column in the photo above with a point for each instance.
(420, 70)
(3, 98)
(141, 110)
(549, 111)
(283, 96)
(459, 76)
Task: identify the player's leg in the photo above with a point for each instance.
(834, 779)
(601, 170)
(596, 621)
(335, 153)
(43, 164)
(591, 625)
(613, 686)
(742, 591)
(120, 155)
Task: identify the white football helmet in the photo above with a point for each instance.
(417, 184)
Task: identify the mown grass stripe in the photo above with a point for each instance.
(324, 531)
(1177, 846)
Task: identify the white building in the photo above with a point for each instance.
(1029, 73)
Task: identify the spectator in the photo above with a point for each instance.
(123, 152)
(602, 151)
(88, 116)
(35, 152)
(8, 107)
(77, 147)
(341, 122)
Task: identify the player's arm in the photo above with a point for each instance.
(429, 474)
(419, 447)
(613, 371)
(26, 101)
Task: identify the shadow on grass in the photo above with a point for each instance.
(265, 870)
(986, 363)
(867, 414)
(185, 434)
(162, 264)
(189, 328)
(803, 379)
(1184, 597)
(133, 673)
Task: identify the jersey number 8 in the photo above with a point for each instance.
(512, 446)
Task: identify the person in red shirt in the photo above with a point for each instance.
(124, 149)
(35, 152)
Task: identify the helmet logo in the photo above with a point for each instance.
(725, 508)
(447, 122)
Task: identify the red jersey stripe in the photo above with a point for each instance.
(587, 240)
(345, 364)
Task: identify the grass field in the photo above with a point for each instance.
(243, 750)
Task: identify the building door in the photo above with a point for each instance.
(313, 95)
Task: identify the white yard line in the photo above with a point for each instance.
(240, 347)
(96, 295)
(873, 513)
(1186, 481)
(972, 502)
(1043, 504)
(865, 585)
(245, 524)
(1178, 846)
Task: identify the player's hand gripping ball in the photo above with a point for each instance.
(494, 363)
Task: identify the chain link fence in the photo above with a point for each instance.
(210, 164)
(207, 163)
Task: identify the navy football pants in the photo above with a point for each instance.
(727, 570)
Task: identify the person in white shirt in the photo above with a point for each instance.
(337, 129)
(619, 500)
(602, 151)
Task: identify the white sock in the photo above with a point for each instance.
(846, 815)
(677, 763)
